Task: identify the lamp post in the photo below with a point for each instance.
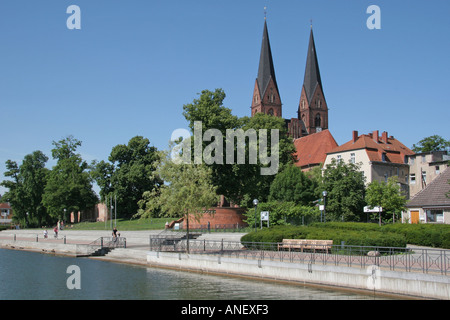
(324, 194)
(255, 203)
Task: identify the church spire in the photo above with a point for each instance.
(313, 110)
(312, 73)
(266, 97)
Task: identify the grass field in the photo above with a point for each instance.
(124, 224)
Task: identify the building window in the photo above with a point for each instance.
(412, 178)
(435, 216)
(383, 157)
(270, 112)
(352, 158)
(339, 158)
(319, 102)
(424, 177)
(437, 170)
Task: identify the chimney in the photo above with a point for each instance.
(375, 136)
(355, 136)
(384, 136)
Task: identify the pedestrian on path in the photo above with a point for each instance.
(56, 232)
(45, 234)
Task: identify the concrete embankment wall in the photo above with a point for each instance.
(58, 248)
(371, 280)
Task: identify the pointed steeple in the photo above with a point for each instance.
(313, 110)
(312, 73)
(266, 97)
(266, 69)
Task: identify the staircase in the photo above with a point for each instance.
(100, 247)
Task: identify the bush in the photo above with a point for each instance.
(429, 235)
(336, 232)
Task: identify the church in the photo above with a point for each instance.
(312, 119)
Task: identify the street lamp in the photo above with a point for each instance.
(255, 203)
(324, 194)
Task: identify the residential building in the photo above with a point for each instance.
(380, 157)
(424, 168)
(431, 204)
(6, 213)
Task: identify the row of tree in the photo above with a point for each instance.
(147, 183)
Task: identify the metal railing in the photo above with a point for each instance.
(101, 246)
(435, 261)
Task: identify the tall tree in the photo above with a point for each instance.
(26, 189)
(345, 186)
(128, 174)
(432, 143)
(187, 193)
(293, 185)
(238, 182)
(388, 196)
(69, 186)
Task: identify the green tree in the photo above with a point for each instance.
(128, 174)
(26, 189)
(388, 196)
(239, 183)
(345, 186)
(69, 186)
(188, 191)
(293, 185)
(432, 143)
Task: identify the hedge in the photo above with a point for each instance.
(359, 234)
(338, 235)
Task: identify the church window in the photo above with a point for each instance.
(270, 112)
(317, 121)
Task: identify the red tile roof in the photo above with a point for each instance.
(394, 150)
(312, 149)
(5, 206)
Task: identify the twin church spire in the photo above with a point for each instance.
(312, 110)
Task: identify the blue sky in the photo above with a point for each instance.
(135, 63)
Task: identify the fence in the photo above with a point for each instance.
(101, 246)
(395, 259)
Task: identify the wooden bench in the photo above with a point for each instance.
(308, 244)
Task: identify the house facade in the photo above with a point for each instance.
(431, 204)
(424, 168)
(6, 213)
(380, 157)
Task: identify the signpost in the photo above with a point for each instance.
(374, 209)
(265, 217)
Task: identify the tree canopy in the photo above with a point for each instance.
(345, 186)
(431, 143)
(69, 185)
(128, 174)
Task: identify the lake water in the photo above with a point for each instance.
(36, 276)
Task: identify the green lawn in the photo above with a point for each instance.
(124, 224)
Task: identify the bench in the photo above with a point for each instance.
(308, 244)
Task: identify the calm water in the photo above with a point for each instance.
(30, 275)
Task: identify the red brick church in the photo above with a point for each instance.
(309, 130)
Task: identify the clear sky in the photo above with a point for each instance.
(134, 63)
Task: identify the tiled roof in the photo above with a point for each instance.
(5, 206)
(434, 194)
(394, 150)
(312, 149)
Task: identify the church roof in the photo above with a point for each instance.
(266, 69)
(312, 74)
(312, 149)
